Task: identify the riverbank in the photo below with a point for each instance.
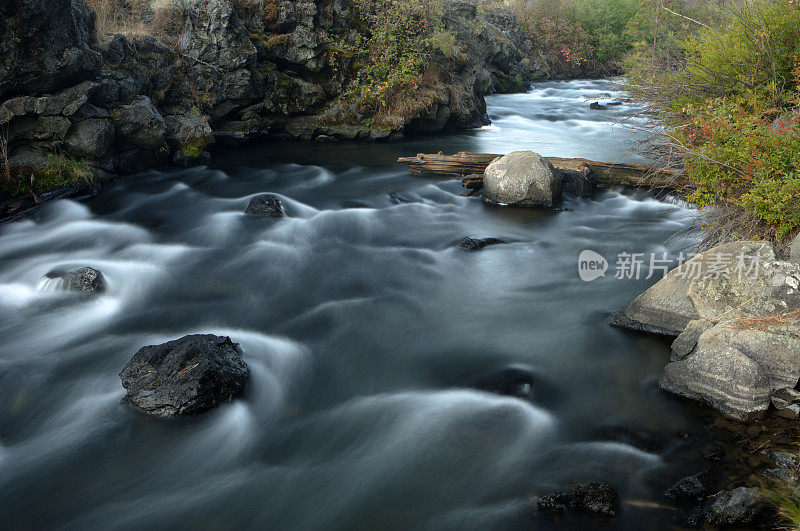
(78, 108)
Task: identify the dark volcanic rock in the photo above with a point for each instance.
(83, 279)
(510, 381)
(45, 46)
(475, 244)
(596, 498)
(186, 376)
(597, 107)
(266, 205)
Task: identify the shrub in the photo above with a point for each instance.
(719, 89)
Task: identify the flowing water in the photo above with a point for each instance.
(362, 326)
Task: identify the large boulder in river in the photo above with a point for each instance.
(186, 376)
(522, 178)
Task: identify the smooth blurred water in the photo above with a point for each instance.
(361, 323)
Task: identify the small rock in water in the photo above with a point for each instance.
(85, 279)
(614, 103)
(596, 498)
(266, 205)
(474, 244)
(509, 382)
(186, 376)
(597, 107)
(739, 506)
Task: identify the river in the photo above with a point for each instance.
(363, 326)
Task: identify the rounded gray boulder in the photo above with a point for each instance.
(522, 178)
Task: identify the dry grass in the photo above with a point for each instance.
(765, 323)
(112, 17)
(132, 17)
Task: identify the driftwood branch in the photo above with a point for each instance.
(470, 166)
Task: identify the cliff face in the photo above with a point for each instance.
(235, 71)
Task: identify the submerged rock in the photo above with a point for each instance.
(689, 488)
(266, 205)
(510, 381)
(85, 279)
(641, 439)
(597, 107)
(522, 178)
(596, 498)
(474, 244)
(739, 506)
(186, 376)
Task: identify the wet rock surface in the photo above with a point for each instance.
(186, 376)
(266, 205)
(84, 279)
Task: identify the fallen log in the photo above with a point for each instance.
(470, 166)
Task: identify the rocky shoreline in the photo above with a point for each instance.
(120, 104)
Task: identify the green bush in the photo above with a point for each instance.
(605, 23)
(719, 83)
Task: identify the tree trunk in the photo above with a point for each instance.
(471, 166)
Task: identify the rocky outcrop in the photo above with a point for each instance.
(522, 178)
(734, 310)
(713, 285)
(45, 46)
(186, 376)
